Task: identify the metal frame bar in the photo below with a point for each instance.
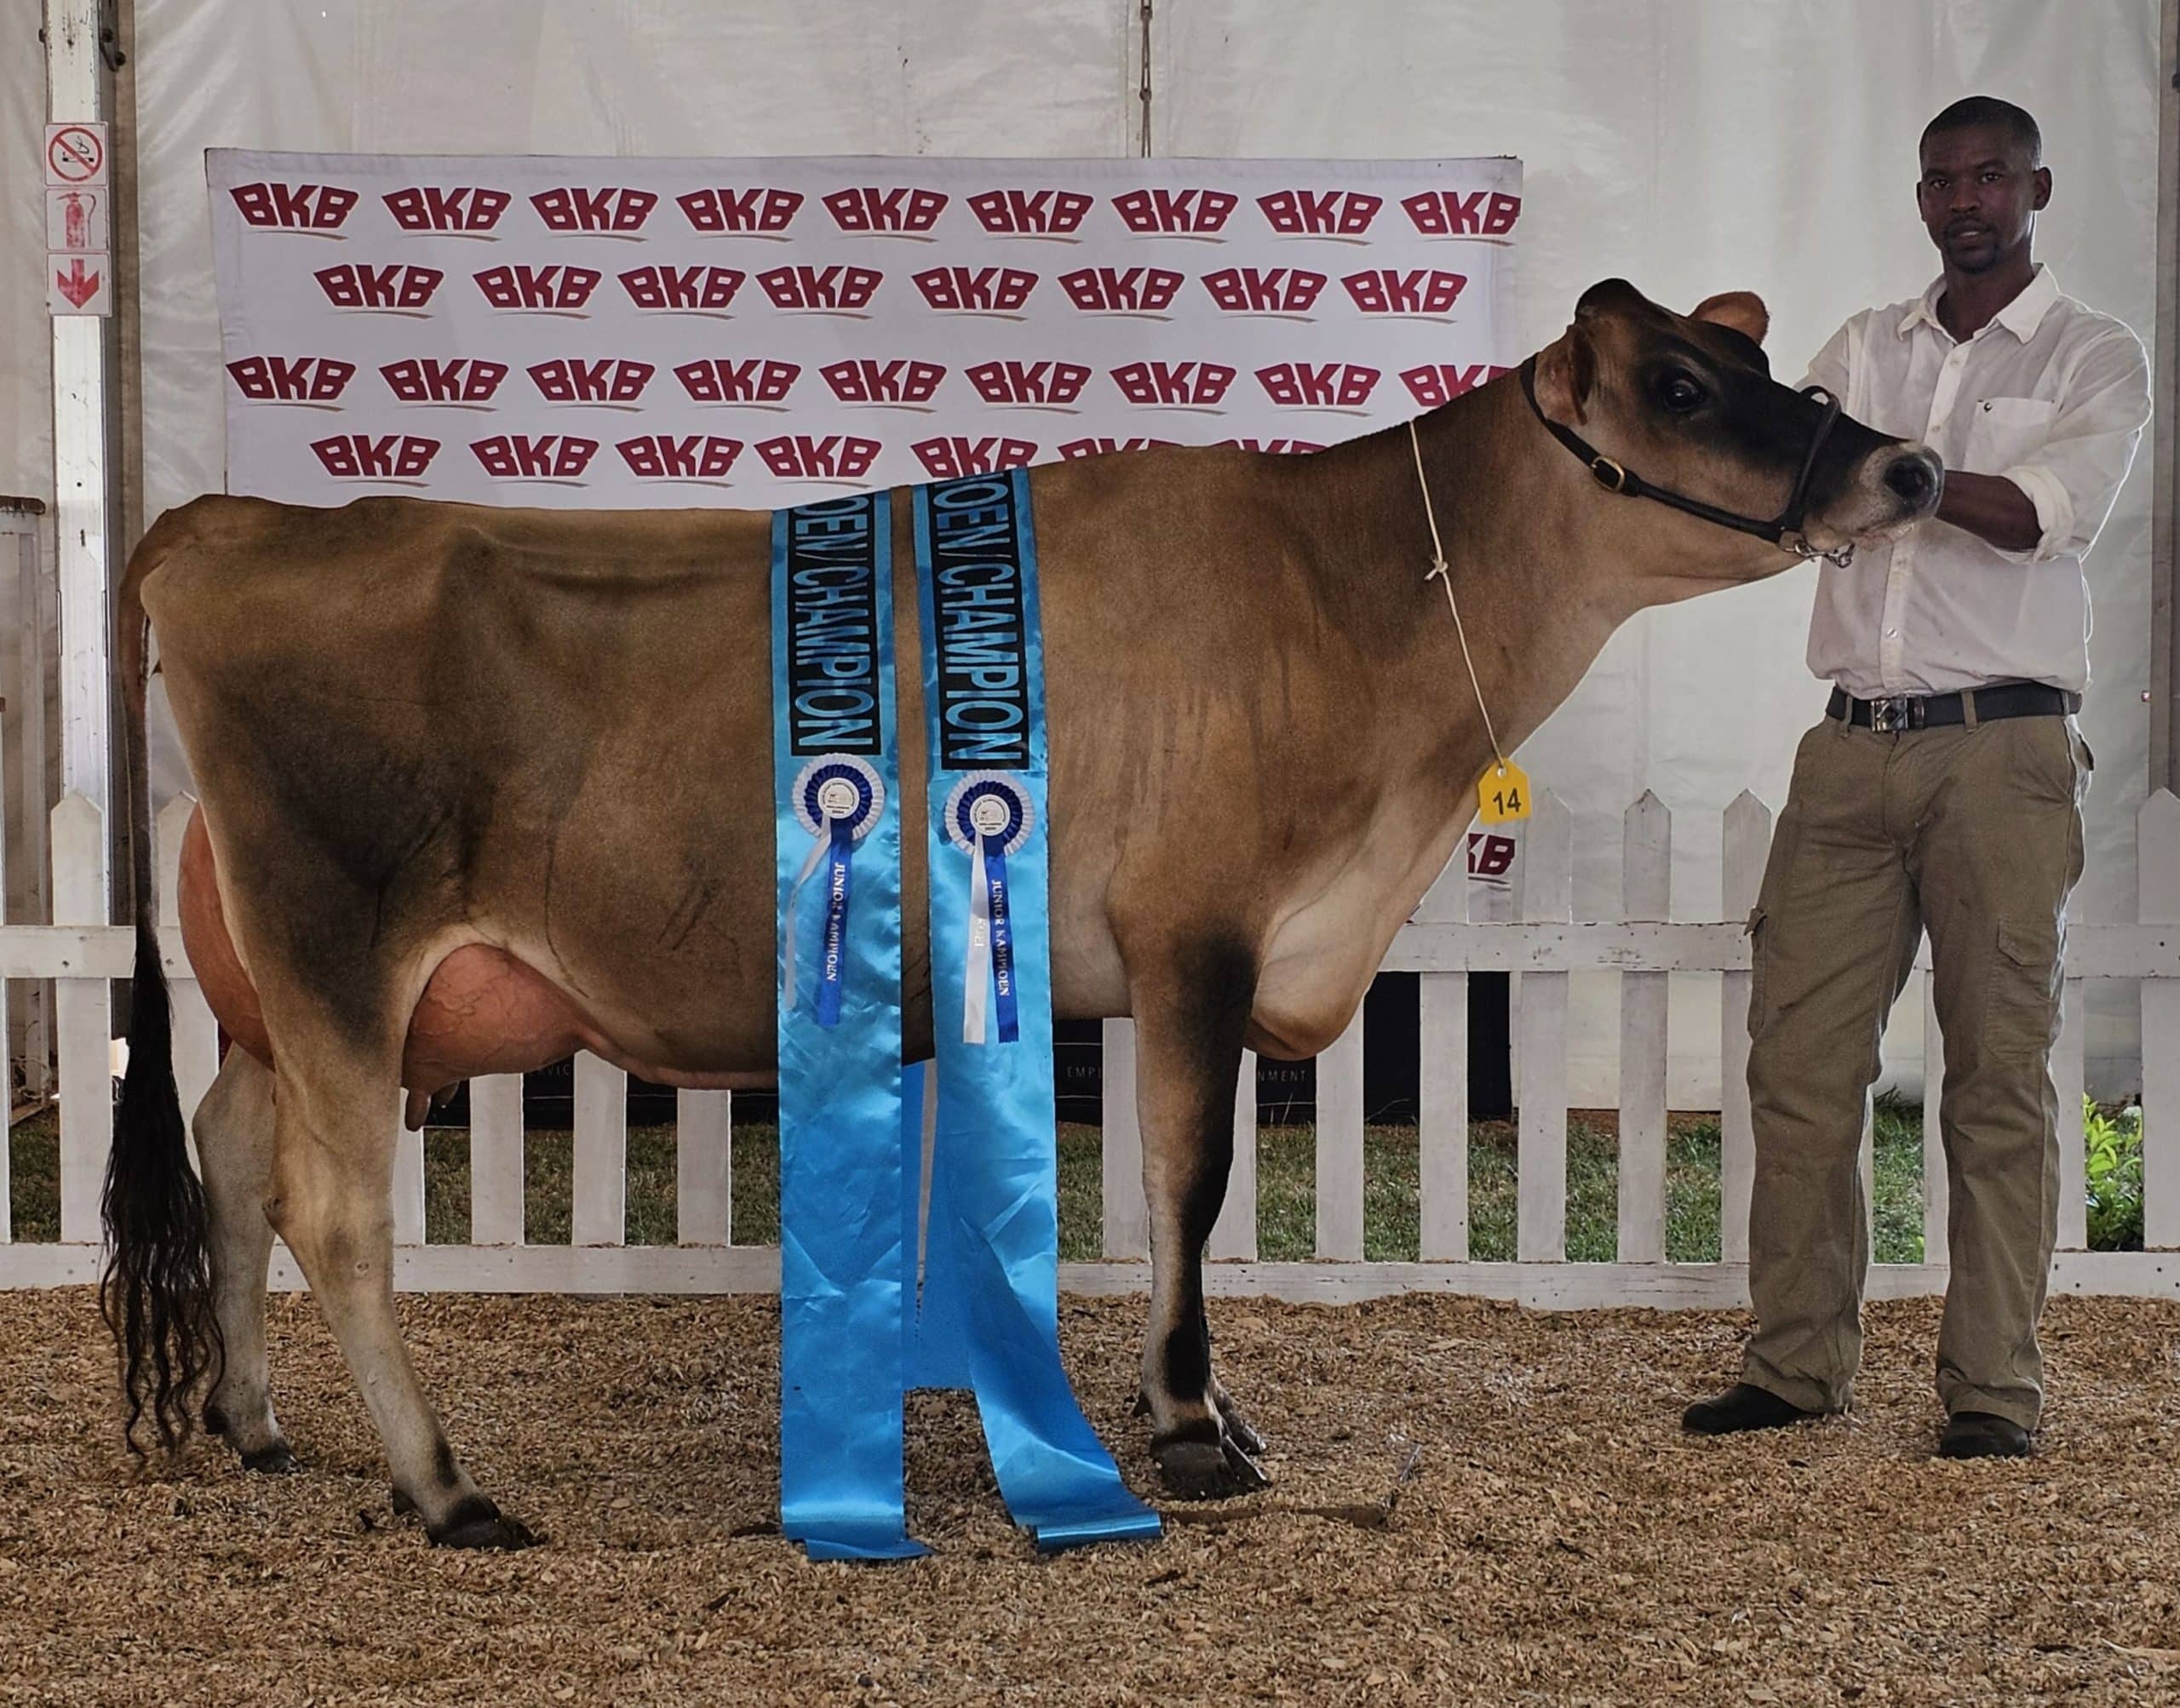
(76, 89)
(2165, 421)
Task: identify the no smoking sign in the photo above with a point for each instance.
(75, 154)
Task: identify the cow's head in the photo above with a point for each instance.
(1686, 405)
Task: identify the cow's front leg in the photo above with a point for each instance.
(332, 1192)
(1191, 1011)
(233, 1126)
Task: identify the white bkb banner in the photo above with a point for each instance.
(756, 333)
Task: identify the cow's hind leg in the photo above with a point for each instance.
(233, 1126)
(332, 1177)
(1192, 1011)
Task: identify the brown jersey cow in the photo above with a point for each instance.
(482, 786)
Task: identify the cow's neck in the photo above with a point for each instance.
(1519, 522)
(1543, 567)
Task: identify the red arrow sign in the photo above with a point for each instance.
(76, 286)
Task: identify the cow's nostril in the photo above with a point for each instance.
(1913, 478)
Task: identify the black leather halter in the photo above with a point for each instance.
(1783, 531)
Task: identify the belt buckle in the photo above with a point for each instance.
(1896, 713)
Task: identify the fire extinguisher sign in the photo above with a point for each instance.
(76, 221)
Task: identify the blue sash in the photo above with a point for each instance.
(837, 786)
(990, 1306)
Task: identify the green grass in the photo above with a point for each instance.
(1286, 1169)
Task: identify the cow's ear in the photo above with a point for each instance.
(1566, 375)
(1741, 310)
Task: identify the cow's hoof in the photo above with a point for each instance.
(475, 1522)
(1208, 1470)
(277, 1460)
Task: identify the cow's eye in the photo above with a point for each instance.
(1680, 393)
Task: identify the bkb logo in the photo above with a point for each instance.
(1033, 383)
(398, 288)
(1275, 447)
(821, 289)
(1176, 213)
(1100, 447)
(1183, 383)
(883, 382)
(663, 456)
(571, 380)
(1448, 214)
(837, 457)
(293, 207)
(573, 209)
(449, 380)
(682, 290)
(1122, 290)
(532, 289)
(1320, 213)
(428, 208)
(1265, 289)
(362, 456)
(1318, 385)
(1030, 212)
(751, 212)
(753, 381)
(1491, 858)
(885, 210)
(948, 459)
(291, 379)
(976, 290)
(1419, 290)
(1440, 382)
(535, 456)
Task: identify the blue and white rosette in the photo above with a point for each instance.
(989, 815)
(838, 798)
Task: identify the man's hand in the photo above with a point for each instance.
(1992, 508)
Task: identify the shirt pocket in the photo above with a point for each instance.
(2005, 431)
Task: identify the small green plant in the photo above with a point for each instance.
(2115, 1175)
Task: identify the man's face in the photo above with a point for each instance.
(1977, 193)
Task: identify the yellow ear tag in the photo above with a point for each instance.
(1503, 794)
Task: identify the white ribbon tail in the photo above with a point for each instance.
(977, 987)
(787, 926)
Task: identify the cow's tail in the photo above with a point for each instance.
(155, 1290)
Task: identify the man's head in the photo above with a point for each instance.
(1983, 183)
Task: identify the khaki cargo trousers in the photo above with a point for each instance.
(1973, 834)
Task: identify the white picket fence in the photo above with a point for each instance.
(1532, 934)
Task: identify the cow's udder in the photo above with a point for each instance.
(482, 1011)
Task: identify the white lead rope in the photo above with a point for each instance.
(1442, 573)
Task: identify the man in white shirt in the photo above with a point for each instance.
(1941, 792)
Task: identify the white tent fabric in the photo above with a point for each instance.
(1691, 145)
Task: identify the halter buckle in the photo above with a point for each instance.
(1609, 474)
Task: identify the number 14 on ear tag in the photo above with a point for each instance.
(1503, 794)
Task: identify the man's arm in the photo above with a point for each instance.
(2054, 501)
(1992, 508)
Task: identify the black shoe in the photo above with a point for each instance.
(1983, 1435)
(1742, 1406)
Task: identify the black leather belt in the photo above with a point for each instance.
(1900, 712)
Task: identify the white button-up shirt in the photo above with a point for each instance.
(2049, 395)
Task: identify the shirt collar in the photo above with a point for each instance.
(2021, 316)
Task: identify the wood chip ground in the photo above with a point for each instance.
(1556, 1539)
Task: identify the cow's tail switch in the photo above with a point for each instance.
(156, 1289)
